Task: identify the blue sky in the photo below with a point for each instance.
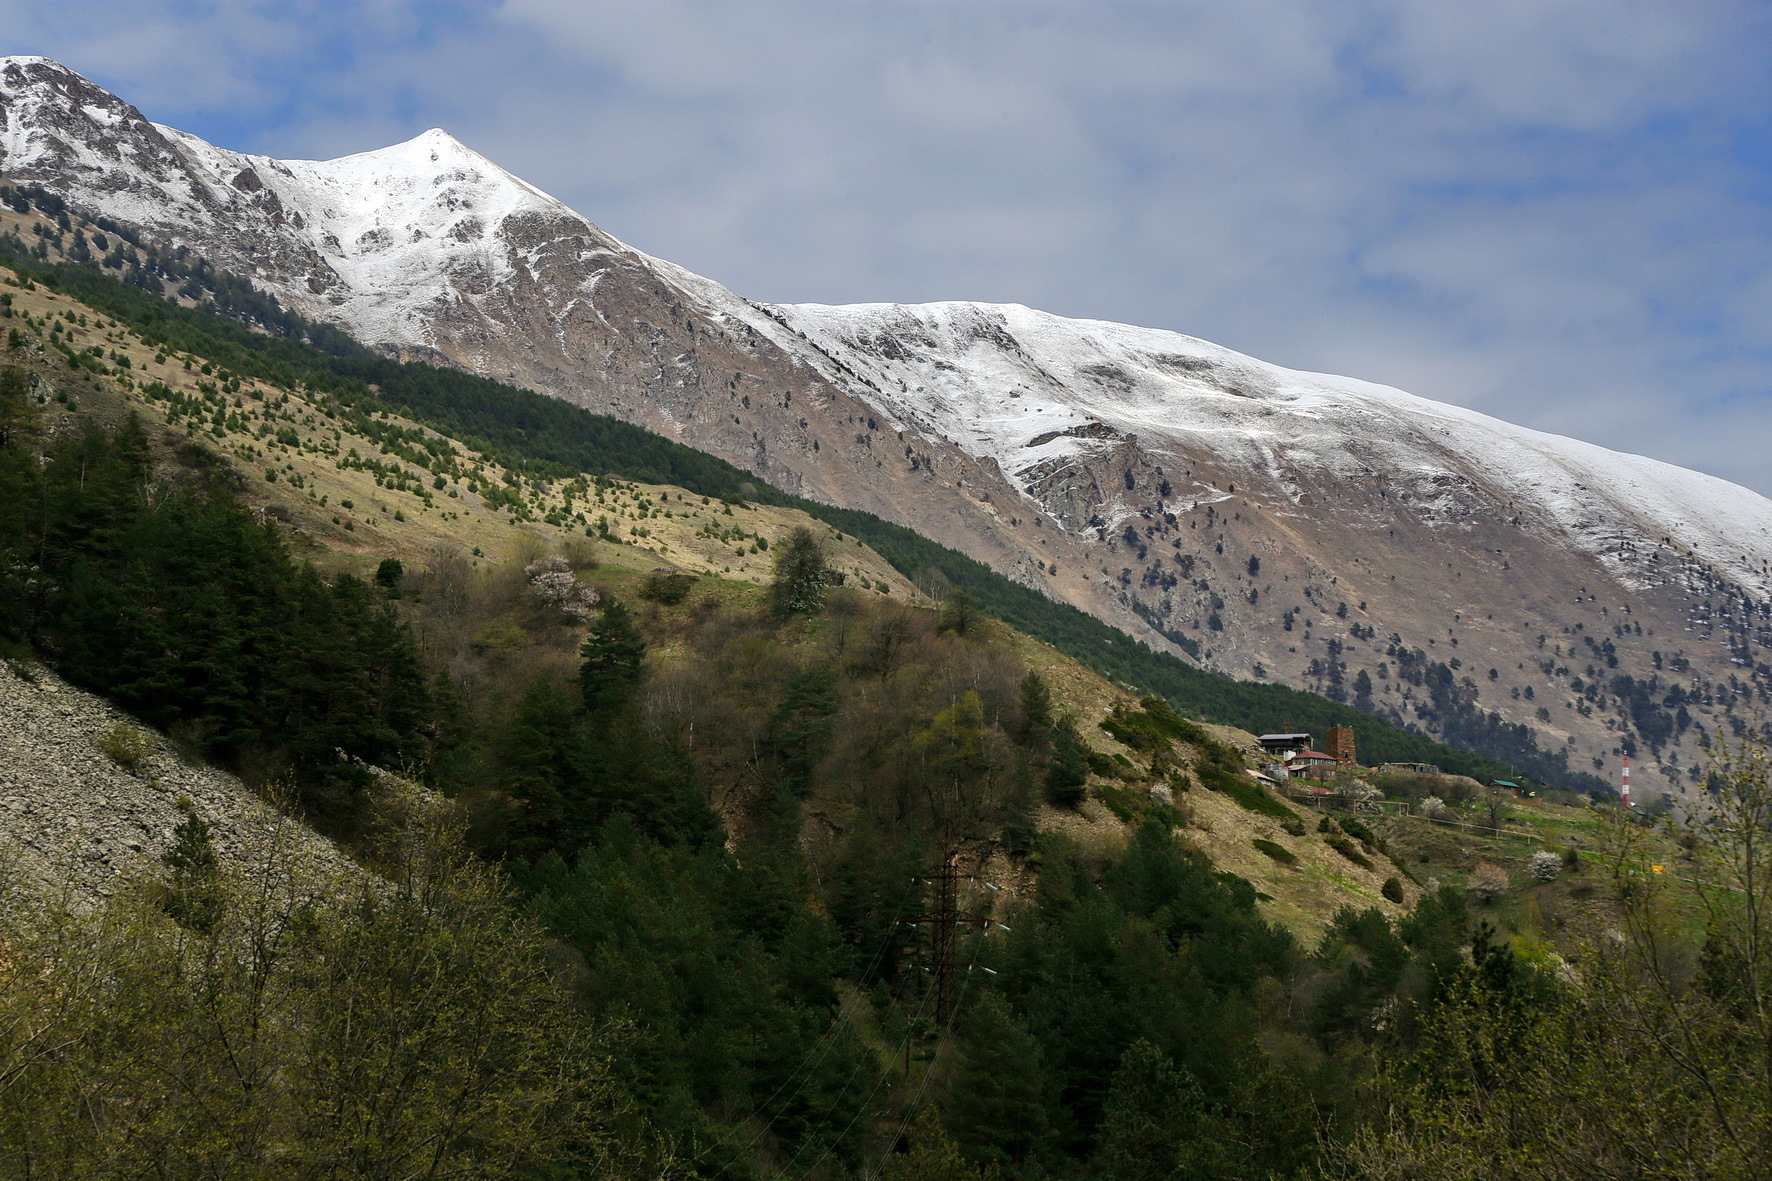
(1555, 211)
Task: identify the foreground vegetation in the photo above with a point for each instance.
(673, 920)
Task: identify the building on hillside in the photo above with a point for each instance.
(1408, 769)
(1338, 744)
(1284, 746)
(1311, 764)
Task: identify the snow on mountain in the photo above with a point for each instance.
(1031, 390)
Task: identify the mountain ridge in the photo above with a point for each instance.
(1200, 536)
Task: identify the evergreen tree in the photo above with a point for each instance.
(959, 613)
(388, 575)
(613, 655)
(1003, 1096)
(799, 726)
(194, 895)
(1036, 712)
(544, 771)
(1067, 773)
(934, 1156)
(802, 575)
(1150, 1132)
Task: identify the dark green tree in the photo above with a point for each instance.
(1151, 1130)
(799, 726)
(1036, 712)
(613, 656)
(802, 575)
(388, 576)
(960, 613)
(194, 895)
(1003, 1107)
(1067, 773)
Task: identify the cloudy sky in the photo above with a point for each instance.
(1555, 211)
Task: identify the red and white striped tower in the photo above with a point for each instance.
(1627, 781)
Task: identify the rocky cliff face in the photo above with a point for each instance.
(1417, 559)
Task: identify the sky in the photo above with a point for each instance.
(1558, 212)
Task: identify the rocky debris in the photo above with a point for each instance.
(73, 818)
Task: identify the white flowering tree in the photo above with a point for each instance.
(1544, 866)
(551, 580)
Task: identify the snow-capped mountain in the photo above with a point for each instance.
(1039, 393)
(1423, 560)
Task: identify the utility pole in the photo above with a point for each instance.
(944, 922)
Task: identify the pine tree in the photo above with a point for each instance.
(1150, 1132)
(802, 575)
(194, 895)
(959, 613)
(1036, 712)
(800, 724)
(613, 654)
(1067, 775)
(388, 576)
(934, 1156)
(1003, 1099)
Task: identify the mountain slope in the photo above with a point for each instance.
(1418, 560)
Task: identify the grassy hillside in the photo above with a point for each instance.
(715, 881)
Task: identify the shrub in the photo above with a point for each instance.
(126, 746)
(1346, 848)
(1119, 801)
(1544, 866)
(1358, 831)
(1279, 853)
(1249, 795)
(1392, 890)
(1435, 809)
(667, 588)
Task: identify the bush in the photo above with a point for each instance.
(126, 746)
(1346, 848)
(1358, 831)
(1435, 809)
(666, 588)
(1279, 853)
(1249, 795)
(1392, 890)
(1544, 866)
